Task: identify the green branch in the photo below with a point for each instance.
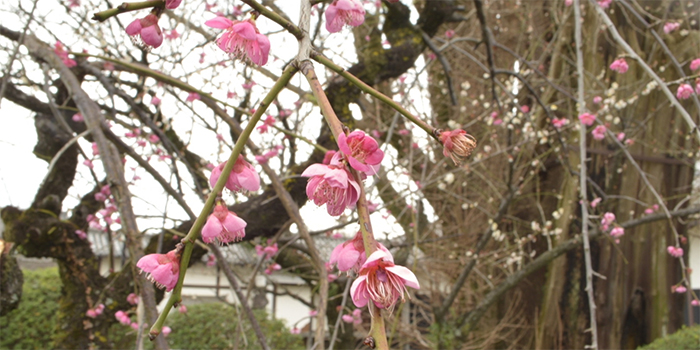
(126, 7)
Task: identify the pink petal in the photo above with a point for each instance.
(261, 50)
(343, 144)
(358, 291)
(152, 35)
(337, 178)
(249, 179)
(215, 174)
(357, 165)
(377, 255)
(219, 23)
(335, 254)
(134, 27)
(172, 4)
(345, 5)
(211, 229)
(245, 29)
(148, 262)
(333, 25)
(233, 223)
(316, 170)
(406, 274)
(348, 258)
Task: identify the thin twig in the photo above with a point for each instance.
(581, 103)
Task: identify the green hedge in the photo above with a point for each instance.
(31, 325)
(685, 338)
(204, 326)
(213, 326)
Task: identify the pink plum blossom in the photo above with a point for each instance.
(681, 289)
(587, 119)
(332, 185)
(671, 27)
(172, 35)
(193, 96)
(620, 136)
(241, 39)
(457, 144)
(449, 33)
(607, 219)
(243, 176)
(619, 65)
(597, 100)
(355, 318)
(695, 64)
(155, 101)
(604, 3)
(267, 252)
(223, 226)
(147, 28)
(344, 12)
(350, 255)
(182, 309)
(617, 232)
(78, 118)
(599, 132)
(266, 124)
(122, 317)
(595, 202)
(161, 269)
(61, 51)
(675, 252)
(132, 299)
(81, 234)
(295, 330)
(568, 2)
(695, 302)
(382, 282)
(361, 151)
(684, 91)
(272, 268)
(559, 123)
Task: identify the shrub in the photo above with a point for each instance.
(685, 338)
(32, 324)
(204, 326)
(213, 326)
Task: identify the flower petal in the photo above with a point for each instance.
(358, 291)
(219, 23)
(407, 275)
